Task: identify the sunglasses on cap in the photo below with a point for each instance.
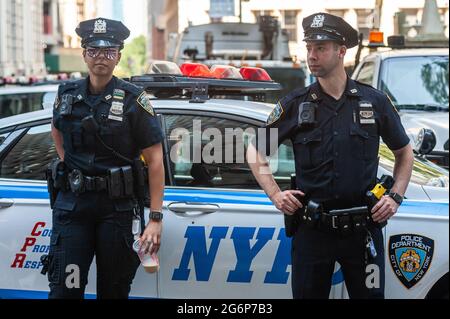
(108, 53)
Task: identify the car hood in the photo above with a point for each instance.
(437, 121)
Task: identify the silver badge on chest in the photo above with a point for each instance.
(366, 114)
(116, 111)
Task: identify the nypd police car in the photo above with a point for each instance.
(17, 99)
(222, 236)
(416, 81)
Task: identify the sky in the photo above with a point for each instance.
(134, 15)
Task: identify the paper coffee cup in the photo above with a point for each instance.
(150, 262)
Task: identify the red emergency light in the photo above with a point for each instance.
(254, 74)
(225, 72)
(195, 70)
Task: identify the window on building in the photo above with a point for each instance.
(258, 13)
(411, 21)
(365, 21)
(80, 10)
(289, 22)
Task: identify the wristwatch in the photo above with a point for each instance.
(396, 197)
(157, 216)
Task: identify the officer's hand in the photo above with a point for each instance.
(286, 201)
(151, 238)
(384, 209)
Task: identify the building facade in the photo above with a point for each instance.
(21, 34)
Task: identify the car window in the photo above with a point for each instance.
(12, 104)
(365, 74)
(28, 159)
(427, 75)
(195, 144)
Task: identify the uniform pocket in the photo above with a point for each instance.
(55, 259)
(63, 208)
(308, 148)
(364, 142)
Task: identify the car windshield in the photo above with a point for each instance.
(416, 82)
(424, 172)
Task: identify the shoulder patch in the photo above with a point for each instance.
(275, 114)
(56, 103)
(144, 101)
(392, 103)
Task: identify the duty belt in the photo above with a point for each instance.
(344, 221)
(80, 183)
(119, 182)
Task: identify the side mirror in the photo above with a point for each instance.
(426, 141)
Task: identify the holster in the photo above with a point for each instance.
(291, 223)
(56, 176)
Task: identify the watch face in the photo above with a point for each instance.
(156, 215)
(396, 197)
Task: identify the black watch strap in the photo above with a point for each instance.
(396, 197)
(156, 216)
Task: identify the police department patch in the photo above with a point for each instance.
(410, 256)
(144, 101)
(275, 114)
(56, 103)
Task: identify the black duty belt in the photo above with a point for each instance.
(80, 183)
(119, 182)
(344, 221)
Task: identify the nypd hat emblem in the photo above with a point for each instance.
(318, 21)
(410, 256)
(100, 26)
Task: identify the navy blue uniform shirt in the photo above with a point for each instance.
(127, 123)
(336, 160)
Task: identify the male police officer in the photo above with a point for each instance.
(335, 125)
(100, 126)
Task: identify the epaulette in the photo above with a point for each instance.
(371, 88)
(292, 95)
(69, 85)
(129, 87)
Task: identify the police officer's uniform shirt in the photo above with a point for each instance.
(336, 161)
(124, 114)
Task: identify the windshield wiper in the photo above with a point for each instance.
(423, 107)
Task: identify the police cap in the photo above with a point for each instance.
(327, 27)
(102, 33)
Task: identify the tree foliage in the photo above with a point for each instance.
(133, 60)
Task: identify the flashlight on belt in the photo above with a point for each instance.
(373, 196)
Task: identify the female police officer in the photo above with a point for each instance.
(335, 135)
(100, 124)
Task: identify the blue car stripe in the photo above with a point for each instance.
(222, 196)
(35, 294)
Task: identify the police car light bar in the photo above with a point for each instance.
(195, 70)
(163, 67)
(254, 74)
(225, 72)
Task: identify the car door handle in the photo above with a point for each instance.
(6, 202)
(192, 209)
